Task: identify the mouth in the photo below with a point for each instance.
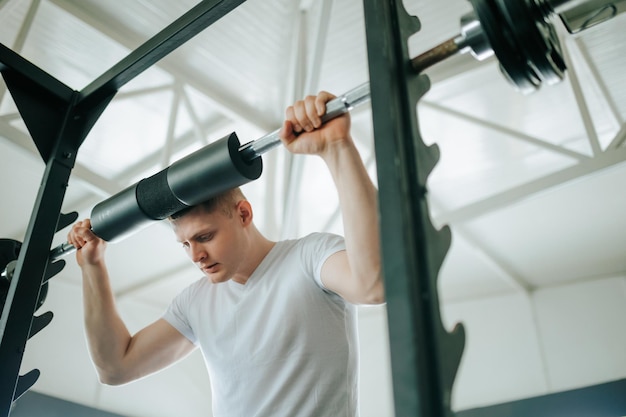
(209, 268)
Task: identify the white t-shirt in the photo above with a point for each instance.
(280, 345)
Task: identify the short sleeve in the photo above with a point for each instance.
(317, 248)
(177, 314)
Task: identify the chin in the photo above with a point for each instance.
(217, 279)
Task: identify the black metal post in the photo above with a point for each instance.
(424, 356)
(59, 120)
(37, 95)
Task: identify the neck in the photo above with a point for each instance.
(258, 248)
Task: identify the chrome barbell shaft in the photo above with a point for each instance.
(334, 108)
(61, 251)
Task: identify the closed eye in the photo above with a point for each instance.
(205, 238)
(200, 238)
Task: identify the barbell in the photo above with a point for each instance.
(203, 174)
(518, 32)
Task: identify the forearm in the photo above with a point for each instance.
(358, 200)
(107, 335)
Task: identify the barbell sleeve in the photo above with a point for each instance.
(61, 251)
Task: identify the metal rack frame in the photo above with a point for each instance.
(425, 357)
(59, 119)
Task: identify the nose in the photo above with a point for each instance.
(197, 253)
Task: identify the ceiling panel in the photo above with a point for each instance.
(604, 51)
(12, 15)
(68, 49)
(572, 233)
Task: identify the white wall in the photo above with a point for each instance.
(556, 339)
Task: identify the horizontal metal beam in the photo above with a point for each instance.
(181, 30)
(226, 103)
(516, 134)
(521, 192)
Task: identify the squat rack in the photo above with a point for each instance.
(424, 356)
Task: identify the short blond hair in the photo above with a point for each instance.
(225, 202)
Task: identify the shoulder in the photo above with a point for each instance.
(314, 249)
(322, 242)
(315, 245)
(192, 291)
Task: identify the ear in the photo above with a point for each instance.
(244, 211)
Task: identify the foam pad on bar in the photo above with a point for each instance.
(118, 215)
(155, 197)
(197, 177)
(211, 170)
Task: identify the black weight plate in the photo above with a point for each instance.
(502, 40)
(536, 37)
(529, 78)
(9, 251)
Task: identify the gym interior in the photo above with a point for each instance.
(526, 303)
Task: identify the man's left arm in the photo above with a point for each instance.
(356, 273)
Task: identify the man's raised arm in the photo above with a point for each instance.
(355, 274)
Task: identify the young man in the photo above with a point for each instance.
(275, 320)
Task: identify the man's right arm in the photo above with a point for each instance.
(119, 357)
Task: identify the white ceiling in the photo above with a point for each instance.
(532, 186)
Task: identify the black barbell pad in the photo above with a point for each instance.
(211, 171)
(197, 177)
(155, 198)
(118, 215)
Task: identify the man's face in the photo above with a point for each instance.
(213, 241)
